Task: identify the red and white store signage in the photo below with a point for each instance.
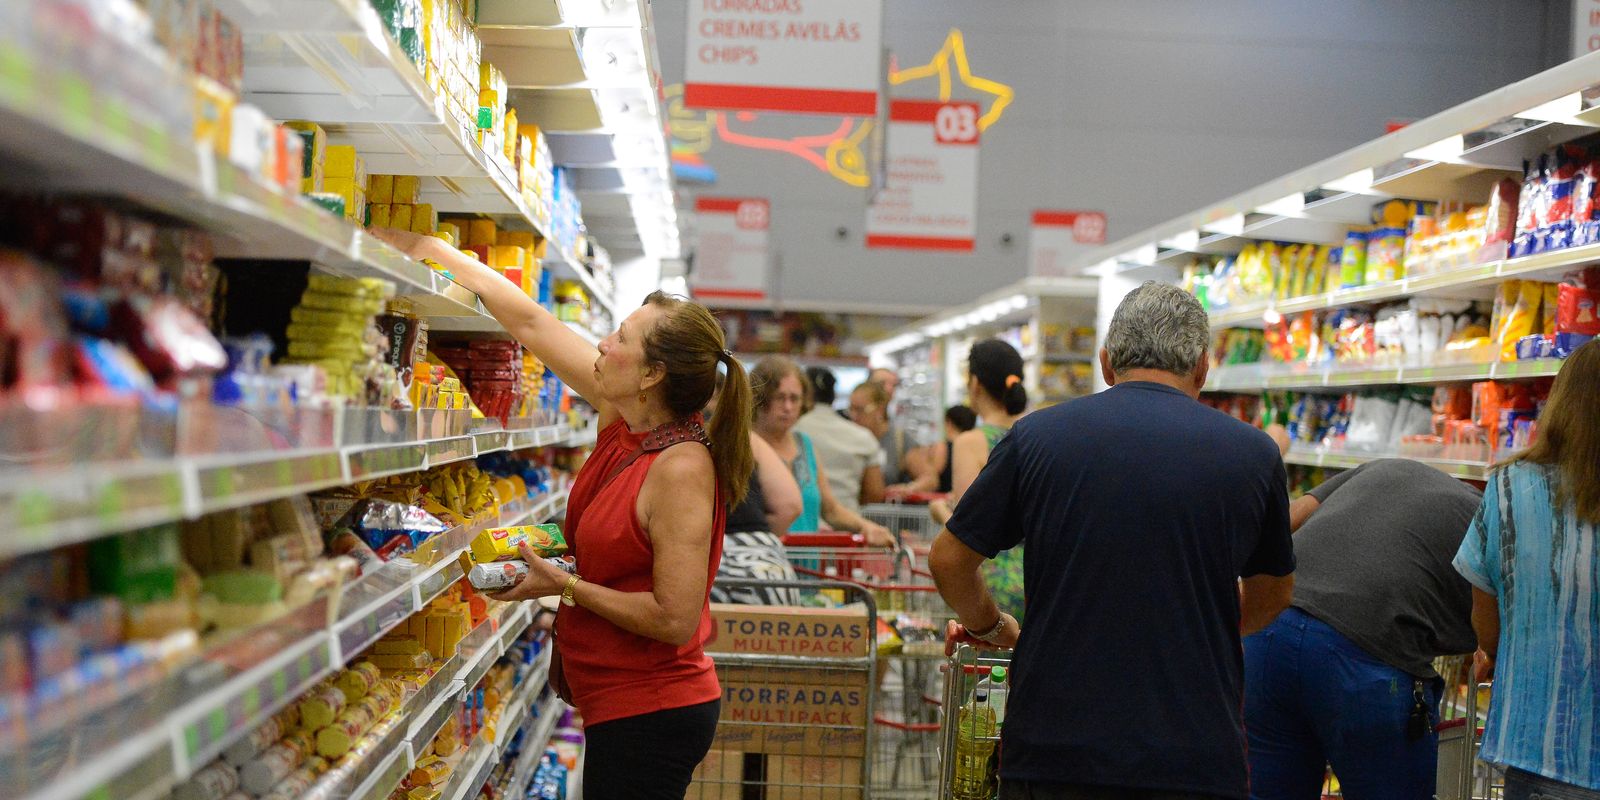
(930, 198)
(730, 261)
(1059, 237)
(804, 56)
(1585, 27)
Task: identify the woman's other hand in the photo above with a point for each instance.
(877, 535)
(543, 579)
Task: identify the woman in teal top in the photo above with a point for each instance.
(781, 394)
(994, 386)
(1532, 554)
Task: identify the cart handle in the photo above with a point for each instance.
(839, 539)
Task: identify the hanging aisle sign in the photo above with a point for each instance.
(1059, 237)
(730, 261)
(929, 200)
(804, 56)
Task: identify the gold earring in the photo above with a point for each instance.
(641, 397)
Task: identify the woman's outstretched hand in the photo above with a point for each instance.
(414, 245)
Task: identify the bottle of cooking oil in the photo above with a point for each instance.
(975, 733)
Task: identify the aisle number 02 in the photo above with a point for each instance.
(956, 123)
(752, 215)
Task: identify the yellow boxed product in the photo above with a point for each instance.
(341, 161)
(392, 645)
(378, 213)
(480, 233)
(509, 146)
(455, 629)
(407, 188)
(213, 115)
(391, 662)
(400, 216)
(503, 257)
(380, 189)
(435, 635)
(423, 218)
(515, 238)
(355, 199)
(449, 229)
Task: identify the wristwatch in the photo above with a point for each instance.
(567, 598)
(990, 635)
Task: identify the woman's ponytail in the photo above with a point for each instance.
(730, 433)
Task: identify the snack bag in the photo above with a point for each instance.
(1518, 321)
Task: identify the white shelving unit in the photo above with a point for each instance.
(1456, 155)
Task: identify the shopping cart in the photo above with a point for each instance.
(1461, 775)
(796, 722)
(910, 650)
(969, 737)
(908, 521)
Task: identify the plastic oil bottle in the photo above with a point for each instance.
(975, 731)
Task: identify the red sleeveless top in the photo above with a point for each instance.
(613, 673)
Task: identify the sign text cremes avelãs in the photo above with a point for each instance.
(804, 56)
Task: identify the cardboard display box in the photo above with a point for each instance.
(790, 631)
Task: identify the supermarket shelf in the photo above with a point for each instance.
(63, 506)
(1259, 377)
(1476, 281)
(1333, 459)
(280, 661)
(533, 746)
(332, 62)
(1070, 358)
(575, 778)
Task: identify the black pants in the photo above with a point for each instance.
(1013, 790)
(648, 757)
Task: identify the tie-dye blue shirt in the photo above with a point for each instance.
(1543, 564)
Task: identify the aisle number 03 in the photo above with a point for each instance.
(956, 124)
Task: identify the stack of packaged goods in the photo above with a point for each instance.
(572, 302)
(514, 254)
(1407, 238)
(451, 61)
(1558, 206)
(535, 173)
(1064, 380)
(395, 201)
(1527, 320)
(491, 370)
(334, 327)
(1462, 422)
(566, 217)
(104, 308)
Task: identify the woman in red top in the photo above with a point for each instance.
(645, 521)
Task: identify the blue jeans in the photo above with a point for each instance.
(1314, 699)
(1524, 785)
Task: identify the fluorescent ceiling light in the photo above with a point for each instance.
(676, 284)
(1188, 240)
(1289, 206)
(1355, 183)
(1018, 302)
(1144, 255)
(1446, 149)
(1104, 268)
(1561, 109)
(1231, 225)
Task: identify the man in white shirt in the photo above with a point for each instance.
(850, 454)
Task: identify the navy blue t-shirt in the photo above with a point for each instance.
(1140, 508)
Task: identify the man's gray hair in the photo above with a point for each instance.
(1158, 326)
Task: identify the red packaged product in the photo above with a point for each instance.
(1502, 217)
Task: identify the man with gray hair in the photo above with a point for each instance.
(1141, 509)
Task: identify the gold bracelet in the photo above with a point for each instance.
(567, 597)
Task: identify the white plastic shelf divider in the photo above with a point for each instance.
(1333, 459)
(1242, 378)
(69, 505)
